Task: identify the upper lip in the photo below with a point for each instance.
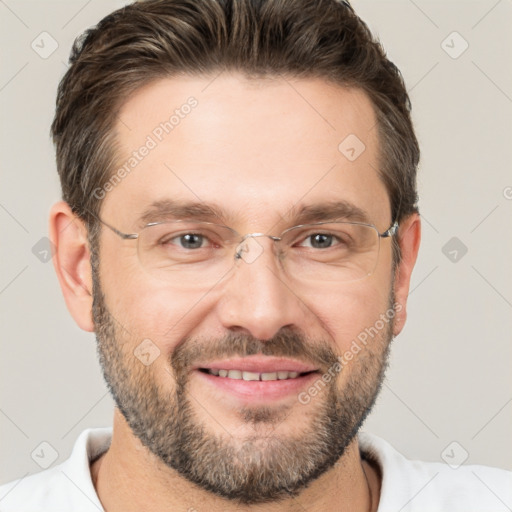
(258, 364)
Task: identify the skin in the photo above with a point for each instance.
(216, 154)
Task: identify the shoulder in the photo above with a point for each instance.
(67, 486)
(413, 485)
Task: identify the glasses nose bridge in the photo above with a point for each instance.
(254, 235)
(242, 245)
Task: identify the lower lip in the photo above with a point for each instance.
(259, 390)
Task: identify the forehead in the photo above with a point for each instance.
(256, 148)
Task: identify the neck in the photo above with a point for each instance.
(130, 478)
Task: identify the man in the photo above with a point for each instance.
(228, 242)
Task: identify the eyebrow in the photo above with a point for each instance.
(171, 209)
(328, 211)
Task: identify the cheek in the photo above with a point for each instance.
(349, 309)
(148, 309)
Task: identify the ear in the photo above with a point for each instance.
(72, 263)
(409, 236)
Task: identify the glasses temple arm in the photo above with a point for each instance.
(124, 236)
(391, 231)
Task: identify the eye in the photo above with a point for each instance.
(188, 241)
(319, 241)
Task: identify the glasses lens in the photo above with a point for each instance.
(336, 252)
(189, 253)
(196, 254)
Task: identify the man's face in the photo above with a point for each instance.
(258, 152)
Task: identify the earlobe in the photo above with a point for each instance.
(72, 262)
(409, 236)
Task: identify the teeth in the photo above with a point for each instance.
(249, 375)
(240, 375)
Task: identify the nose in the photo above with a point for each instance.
(258, 298)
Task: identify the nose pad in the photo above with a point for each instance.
(249, 249)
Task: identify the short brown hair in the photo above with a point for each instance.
(154, 39)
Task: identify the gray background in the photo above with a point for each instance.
(448, 394)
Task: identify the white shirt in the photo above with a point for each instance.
(407, 485)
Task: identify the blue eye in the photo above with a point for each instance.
(187, 240)
(190, 240)
(321, 240)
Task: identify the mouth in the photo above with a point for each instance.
(256, 378)
(250, 376)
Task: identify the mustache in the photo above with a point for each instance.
(286, 343)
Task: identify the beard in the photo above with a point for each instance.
(267, 465)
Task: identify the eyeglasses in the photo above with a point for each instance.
(198, 254)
